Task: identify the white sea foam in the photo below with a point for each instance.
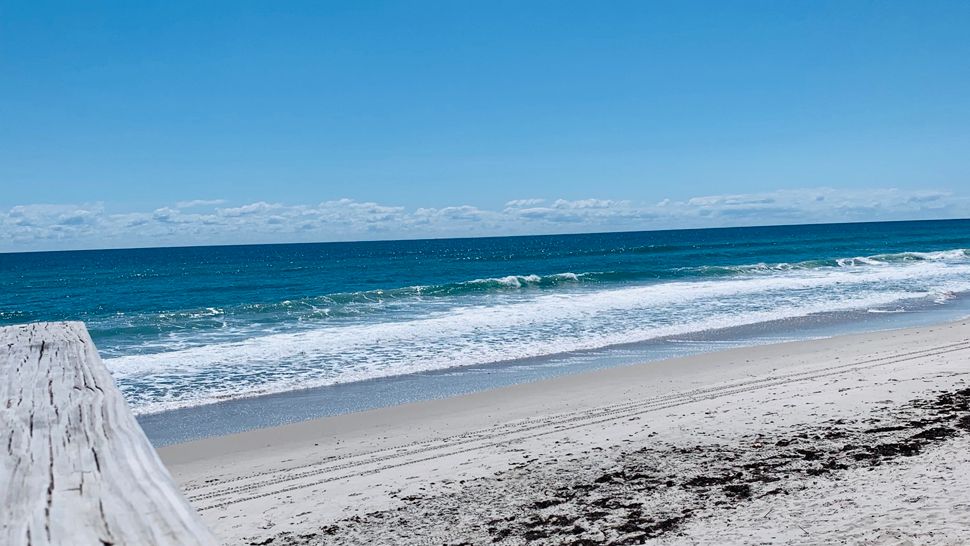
(859, 260)
(514, 281)
(486, 330)
(201, 313)
(940, 255)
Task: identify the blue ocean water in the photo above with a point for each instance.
(183, 327)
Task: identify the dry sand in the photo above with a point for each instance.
(859, 439)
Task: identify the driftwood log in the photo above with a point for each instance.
(75, 467)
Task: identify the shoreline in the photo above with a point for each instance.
(305, 478)
(275, 409)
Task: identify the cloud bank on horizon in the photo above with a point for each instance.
(214, 221)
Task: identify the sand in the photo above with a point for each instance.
(859, 439)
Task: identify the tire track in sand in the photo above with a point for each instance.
(267, 483)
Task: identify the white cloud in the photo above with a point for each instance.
(588, 204)
(524, 203)
(193, 203)
(261, 207)
(463, 213)
(89, 225)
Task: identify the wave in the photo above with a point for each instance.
(326, 303)
(361, 302)
(250, 319)
(510, 281)
(193, 314)
(543, 324)
(959, 255)
(941, 255)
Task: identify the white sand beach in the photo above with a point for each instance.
(858, 439)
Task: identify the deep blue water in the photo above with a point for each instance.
(188, 326)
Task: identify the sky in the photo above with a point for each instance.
(180, 123)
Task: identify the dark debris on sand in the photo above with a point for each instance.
(653, 491)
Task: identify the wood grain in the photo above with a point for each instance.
(75, 467)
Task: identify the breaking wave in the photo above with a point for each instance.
(460, 324)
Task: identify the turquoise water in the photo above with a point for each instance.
(183, 327)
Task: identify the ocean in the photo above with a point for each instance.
(189, 327)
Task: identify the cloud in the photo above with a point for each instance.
(463, 213)
(588, 204)
(251, 209)
(591, 211)
(524, 203)
(199, 203)
(90, 225)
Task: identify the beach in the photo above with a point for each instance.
(850, 439)
(513, 274)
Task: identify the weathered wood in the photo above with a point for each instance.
(75, 467)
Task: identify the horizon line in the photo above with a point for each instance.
(477, 237)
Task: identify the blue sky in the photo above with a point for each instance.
(139, 123)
